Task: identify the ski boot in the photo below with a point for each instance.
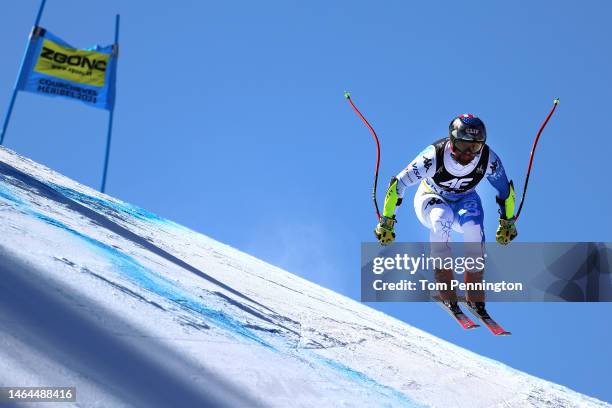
(452, 305)
(479, 308)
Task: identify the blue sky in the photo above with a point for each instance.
(231, 120)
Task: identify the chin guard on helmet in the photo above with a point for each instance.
(506, 207)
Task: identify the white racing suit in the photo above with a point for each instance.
(446, 198)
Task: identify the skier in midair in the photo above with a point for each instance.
(448, 172)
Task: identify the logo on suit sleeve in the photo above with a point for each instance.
(415, 170)
(427, 162)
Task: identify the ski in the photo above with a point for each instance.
(488, 321)
(460, 317)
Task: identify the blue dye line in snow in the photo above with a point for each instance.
(6, 194)
(143, 276)
(100, 204)
(397, 398)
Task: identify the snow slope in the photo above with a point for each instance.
(135, 310)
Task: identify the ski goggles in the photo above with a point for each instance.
(464, 146)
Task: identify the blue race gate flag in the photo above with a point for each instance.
(54, 68)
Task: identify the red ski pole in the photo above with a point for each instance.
(348, 98)
(535, 143)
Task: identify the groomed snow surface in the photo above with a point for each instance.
(135, 310)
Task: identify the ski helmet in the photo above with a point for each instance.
(467, 127)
